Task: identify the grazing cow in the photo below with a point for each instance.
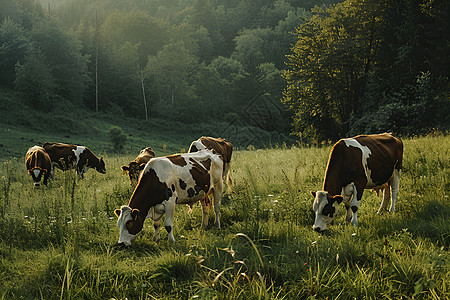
(166, 181)
(135, 167)
(355, 164)
(220, 146)
(66, 156)
(38, 164)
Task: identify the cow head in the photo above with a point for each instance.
(101, 166)
(324, 209)
(129, 223)
(36, 174)
(133, 169)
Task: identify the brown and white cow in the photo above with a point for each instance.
(135, 167)
(38, 165)
(355, 164)
(67, 156)
(220, 146)
(167, 181)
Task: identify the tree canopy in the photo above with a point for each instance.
(370, 66)
(339, 67)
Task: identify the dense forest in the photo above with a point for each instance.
(318, 69)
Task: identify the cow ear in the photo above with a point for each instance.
(313, 194)
(338, 198)
(117, 212)
(135, 213)
(124, 168)
(142, 166)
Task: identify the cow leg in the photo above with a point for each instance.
(206, 206)
(52, 171)
(227, 171)
(156, 213)
(45, 178)
(217, 191)
(347, 193)
(169, 208)
(395, 185)
(157, 226)
(354, 204)
(386, 198)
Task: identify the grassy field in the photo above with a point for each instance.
(60, 242)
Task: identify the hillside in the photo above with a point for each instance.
(22, 127)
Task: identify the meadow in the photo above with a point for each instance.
(60, 242)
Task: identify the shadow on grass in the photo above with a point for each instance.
(428, 220)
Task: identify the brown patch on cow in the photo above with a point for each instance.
(345, 163)
(201, 177)
(37, 159)
(61, 154)
(218, 145)
(177, 159)
(207, 164)
(64, 157)
(149, 192)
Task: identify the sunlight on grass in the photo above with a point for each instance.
(60, 242)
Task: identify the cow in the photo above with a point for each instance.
(135, 167)
(38, 165)
(167, 181)
(67, 156)
(220, 146)
(355, 164)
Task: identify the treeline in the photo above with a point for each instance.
(350, 67)
(371, 66)
(191, 61)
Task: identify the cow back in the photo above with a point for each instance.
(220, 145)
(37, 158)
(354, 158)
(60, 153)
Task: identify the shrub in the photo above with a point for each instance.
(117, 138)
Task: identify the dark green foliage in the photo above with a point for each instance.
(35, 81)
(370, 66)
(117, 138)
(13, 45)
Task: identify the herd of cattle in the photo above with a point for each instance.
(355, 164)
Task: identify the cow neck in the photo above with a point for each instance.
(146, 193)
(334, 181)
(90, 158)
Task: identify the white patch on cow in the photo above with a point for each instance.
(347, 191)
(365, 156)
(34, 149)
(321, 221)
(125, 216)
(170, 174)
(36, 172)
(77, 152)
(198, 144)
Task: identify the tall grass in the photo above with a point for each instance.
(60, 242)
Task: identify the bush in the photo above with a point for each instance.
(117, 138)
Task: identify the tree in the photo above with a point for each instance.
(14, 42)
(170, 70)
(34, 80)
(328, 67)
(62, 52)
